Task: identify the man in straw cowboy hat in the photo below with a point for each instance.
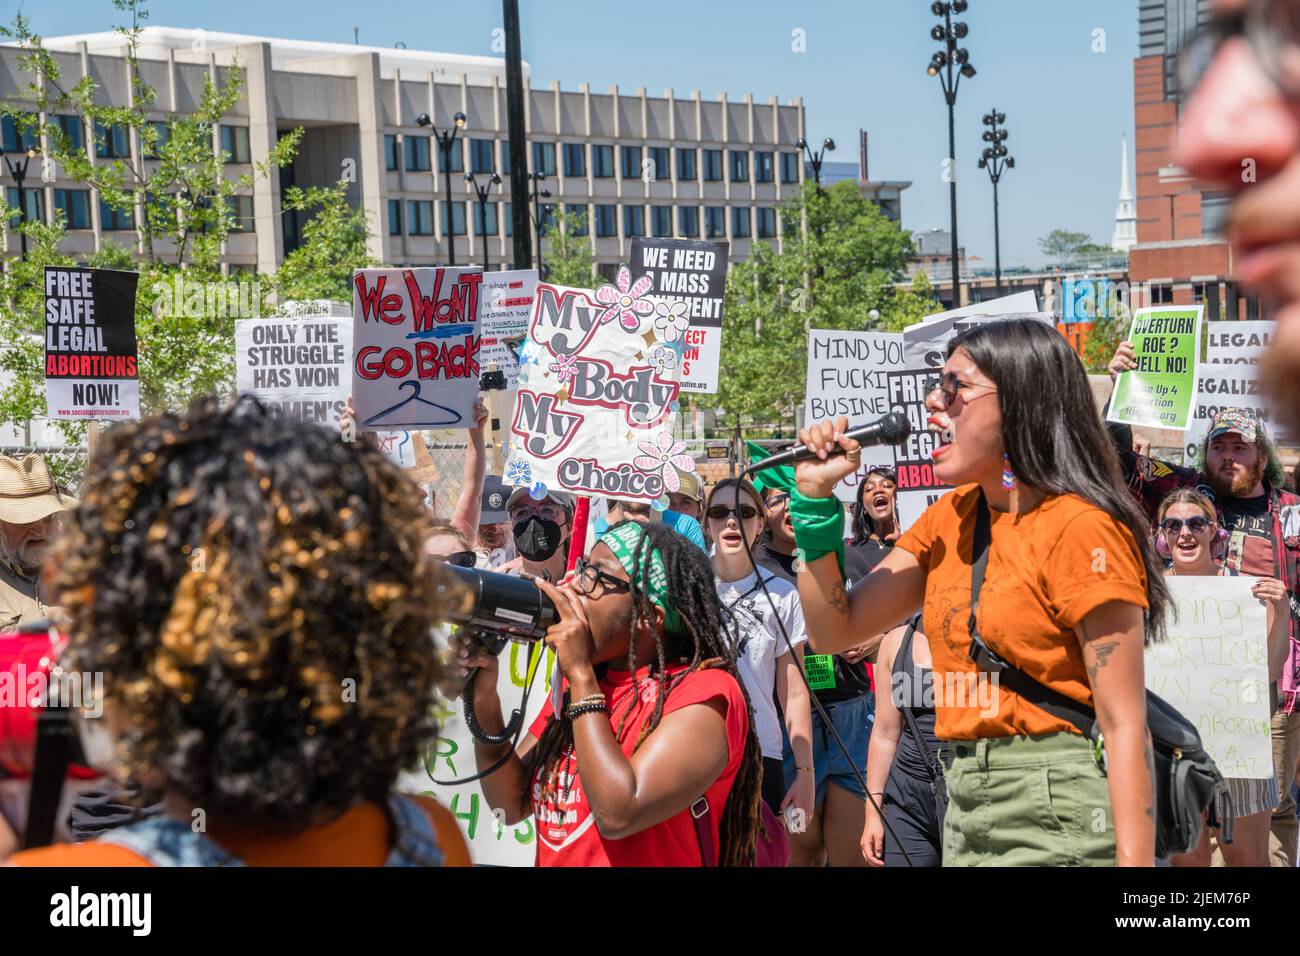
(30, 507)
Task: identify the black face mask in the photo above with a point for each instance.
(537, 540)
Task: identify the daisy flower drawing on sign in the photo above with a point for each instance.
(565, 367)
(664, 456)
(518, 473)
(664, 359)
(626, 302)
(671, 320)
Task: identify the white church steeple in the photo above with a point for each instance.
(1125, 235)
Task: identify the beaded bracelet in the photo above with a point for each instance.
(589, 699)
(577, 710)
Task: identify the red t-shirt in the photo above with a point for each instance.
(570, 837)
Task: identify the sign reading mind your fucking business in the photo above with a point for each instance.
(91, 369)
(1161, 391)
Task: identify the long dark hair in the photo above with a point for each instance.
(864, 526)
(700, 641)
(1053, 435)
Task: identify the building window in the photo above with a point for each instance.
(419, 217)
(631, 162)
(505, 160)
(1214, 210)
(661, 222)
(111, 142)
(688, 221)
(485, 219)
(391, 155)
(686, 164)
(577, 213)
(162, 132)
(480, 155)
(740, 222)
(766, 222)
(241, 213)
(457, 157)
(575, 159)
(602, 162)
(659, 156)
(739, 166)
(715, 222)
(112, 219)
(394, 217)
(72, 131)
(417, 153)
(713, 165)
(606, 222)
(10, 139)
(75, 204)
(763, 170)
(34, 199)
(633, 221)
(234, 142)
(789, 167)
(1162, 294)
(544, 158)
(457, 218)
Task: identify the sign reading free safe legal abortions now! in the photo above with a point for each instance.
(90, 358)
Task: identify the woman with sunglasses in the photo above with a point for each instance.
(648, 759)
(769, 663)
(1188, 536)
(1072, 587)
(449, 543)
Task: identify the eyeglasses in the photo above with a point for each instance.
(462, 559)
(547, 512)
(586, 576)
(720, 513)
(778, 500)
(1174, 526)
(1271, 28)
(949, 386)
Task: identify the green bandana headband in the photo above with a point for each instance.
(624, 540)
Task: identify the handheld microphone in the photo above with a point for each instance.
(890, 430)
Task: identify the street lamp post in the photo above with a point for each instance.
(815, 159)
(536, 196)
(996, 161)
(483, 192)
(950, 65)
(446, 139)
(19, 173)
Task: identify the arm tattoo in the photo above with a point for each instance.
(838, 599)
(1101, 657)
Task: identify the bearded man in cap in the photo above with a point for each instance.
(30, 509)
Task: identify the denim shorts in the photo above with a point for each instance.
(853, 719)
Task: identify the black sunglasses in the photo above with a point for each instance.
(590, 575)
(1196, 525)
(462, 559)
(720, 512)
(949, 386)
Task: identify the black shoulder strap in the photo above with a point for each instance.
(910, 717)
(987, 660)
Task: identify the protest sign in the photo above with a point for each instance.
(1161, 391)
(415, 347)
(690, 276)
(1238, 343)
(491, 842)
(300, 368)
(597, 391)
(846, 376)
(1212, 668)
(1232, 386)
(90, 358)
(506, 304)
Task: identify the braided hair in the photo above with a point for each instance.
(701, 643)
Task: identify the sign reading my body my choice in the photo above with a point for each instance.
(1161, 391)
(90, 353)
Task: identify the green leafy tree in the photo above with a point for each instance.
(568, 259)
(1061, 244)
(333, 245)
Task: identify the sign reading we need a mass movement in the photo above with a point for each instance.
(1161, 391)
(90, 354)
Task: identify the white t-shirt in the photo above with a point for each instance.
(761, 644)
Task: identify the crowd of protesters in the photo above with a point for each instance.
(749, 674)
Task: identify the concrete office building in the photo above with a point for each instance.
(629, 162)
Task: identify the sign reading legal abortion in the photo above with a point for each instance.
(416, 347)
(597, 393)
(90, 352)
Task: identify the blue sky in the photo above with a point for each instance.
(864, 66)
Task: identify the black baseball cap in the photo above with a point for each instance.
(494, 500)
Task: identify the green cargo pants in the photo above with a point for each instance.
(1026, 801)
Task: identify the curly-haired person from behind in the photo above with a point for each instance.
(258, 596)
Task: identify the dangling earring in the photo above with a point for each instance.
(1008, 476)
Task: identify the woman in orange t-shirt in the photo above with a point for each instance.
(1071, 588)
(257, 595)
